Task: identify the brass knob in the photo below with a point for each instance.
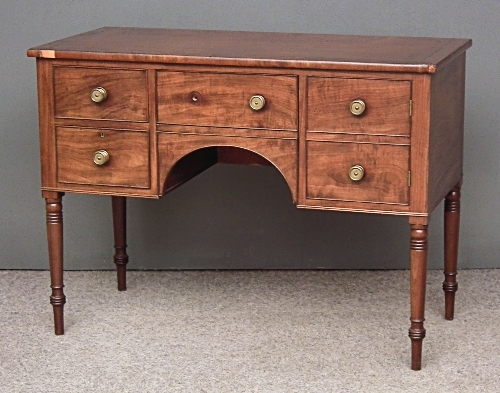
(257, 102)
(99, 94)
(356, 172)
(357, 107)
(101, 157)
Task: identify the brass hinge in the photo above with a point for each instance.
(409, 178)
(411, 107)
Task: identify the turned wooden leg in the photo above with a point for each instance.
(418, 274)
(451, 231)
(120, 233)
(53, 206)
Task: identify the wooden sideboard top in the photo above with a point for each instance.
(254, 49)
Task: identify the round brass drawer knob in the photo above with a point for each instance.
(99, 94)
(101, 157)
(257, 102)
(357, 107)
(356, 173)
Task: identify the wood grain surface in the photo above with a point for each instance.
(128, 164)
(127, 93)
(281, 153)
(446, 139)
(386, 172)
(387, 106)
(236, 48)
(223, 100)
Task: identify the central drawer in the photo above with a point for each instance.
(223, 100)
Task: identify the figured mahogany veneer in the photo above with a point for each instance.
(127, 93)
(222, 100)
(387, 112)
(177, 102)
(128, 165)
(385, 179)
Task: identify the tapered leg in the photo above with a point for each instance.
(418, 274)
(53, 206)
(120, 233)
(451, 232)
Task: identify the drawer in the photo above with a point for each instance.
(128, 153)
(223, 100)
(387, 106)
(126, 93)
(385, 167)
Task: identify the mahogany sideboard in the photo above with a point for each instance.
(352, 123)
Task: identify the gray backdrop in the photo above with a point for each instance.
(237, 216)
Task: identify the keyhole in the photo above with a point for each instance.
(195, 97)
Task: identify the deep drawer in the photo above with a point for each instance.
(126, 93)
(223, 100)
(386, 106)
(385, 167)
(128, 152)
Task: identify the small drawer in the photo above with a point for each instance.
(124, 94)
(379, 107)
(224, 100)
(102, 157)
(358, 172)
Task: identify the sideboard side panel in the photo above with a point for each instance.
(446, 130)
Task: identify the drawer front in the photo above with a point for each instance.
(223, 100)
(128, 151)
(126, 93)
(385, 167)
(387, 106)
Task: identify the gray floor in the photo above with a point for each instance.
(246, 331)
